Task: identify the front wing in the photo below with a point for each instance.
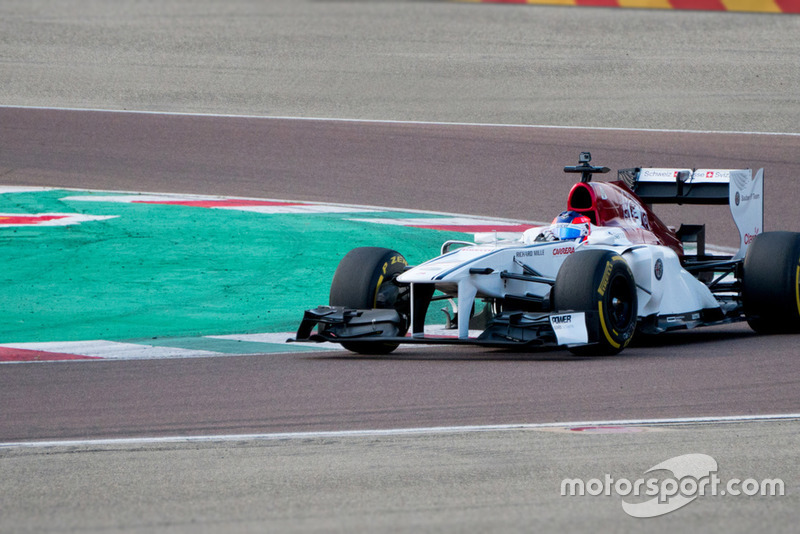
(337, 324)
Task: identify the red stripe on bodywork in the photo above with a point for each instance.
(8, 354)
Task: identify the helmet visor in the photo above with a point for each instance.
(566, 231)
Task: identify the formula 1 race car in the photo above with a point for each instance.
(602, 271)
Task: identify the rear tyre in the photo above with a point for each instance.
(364, 279)
(771, 283)
(600, 283)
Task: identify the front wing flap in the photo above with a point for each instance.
(520, 329)
(337, 323)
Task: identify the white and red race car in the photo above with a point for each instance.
(604, 270)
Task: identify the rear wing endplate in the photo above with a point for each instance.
(738, 188)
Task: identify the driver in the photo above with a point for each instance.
(567, 226)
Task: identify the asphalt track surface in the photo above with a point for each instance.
(725, 371)
(423, 166)
(435, 482)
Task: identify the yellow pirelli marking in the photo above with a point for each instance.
(604, 282)
(797, 288)
(377, 287)
(605, 329)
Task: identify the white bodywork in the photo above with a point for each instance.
(516, 276)
(664, 290)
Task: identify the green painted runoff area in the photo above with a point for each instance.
(176, 271)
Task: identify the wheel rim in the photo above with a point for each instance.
(386, 295)
(620, 309)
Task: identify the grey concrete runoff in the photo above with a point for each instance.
(493, 481)
(407, 60)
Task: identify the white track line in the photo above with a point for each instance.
(389, 121)
(398, 431)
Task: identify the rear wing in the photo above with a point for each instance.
(738, 188)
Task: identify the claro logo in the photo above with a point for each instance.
(749, 238)
(563, 250)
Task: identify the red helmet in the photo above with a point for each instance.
(571, 225)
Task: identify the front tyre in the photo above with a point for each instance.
(364, 279)
(600, 283)
(771, 283)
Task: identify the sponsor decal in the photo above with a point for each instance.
(659, 173)
(717, 176)
(680, 318)
(633, 213)
(748, 238)
(562, 319)
(399, 259)
(659, 269)
(570, 328)
(563, 250)
(644, 221)
(529, 253)
(604, 282)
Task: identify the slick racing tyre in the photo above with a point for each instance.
(364, 280)
(771, 283)
(600, 283)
